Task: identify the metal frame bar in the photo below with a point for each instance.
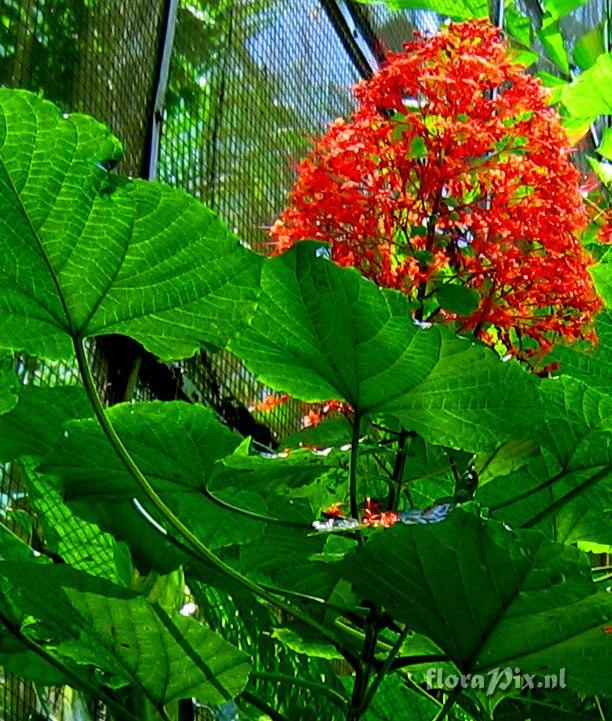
(350, 35)
(155, 120)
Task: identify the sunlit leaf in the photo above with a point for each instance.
(490, 597)
(325, 332)
(554, 43)
(590, 363)
(590, 94)
(88, 621)
(84, 252)
(572, 474)
(589, 47)
(605, 146)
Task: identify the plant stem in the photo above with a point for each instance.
(354, 711)
(362, 673)
(398, 472)
(252, 514)
(336, 697)
(385, 668)
(448, 704)
(353, 465)
(560, 502)
(191, 540)
(78, 679)
(260, 704)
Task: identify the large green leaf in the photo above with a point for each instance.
(590, 94)
(176, 446)
(573, 472)
(490, 597)
(605, 146)
(14, 654)
(396, 700)
(590, 46)
(84, 252)
(33, 427)
(323, 332)
(80, 544)
(87, 621)
(554, 43)
(29, 432)
(602, 276)
(590, 363)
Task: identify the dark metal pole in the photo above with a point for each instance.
(155, 119)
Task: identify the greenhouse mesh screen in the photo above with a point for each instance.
(250, 83)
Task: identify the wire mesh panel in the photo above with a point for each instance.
(99, 58)
(390, 30)
(251, 83)
(95, 57)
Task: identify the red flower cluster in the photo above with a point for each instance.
(371, 514)
(455, 169)
(317, 412)
(269, 403)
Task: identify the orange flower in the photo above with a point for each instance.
(270, 402)
(454, 168)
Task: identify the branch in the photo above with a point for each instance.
(191, 541)
(336, 697)
(353, 465)
(260, 704)
(560, 502)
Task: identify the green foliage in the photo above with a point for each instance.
(489, 597)
(86, 621)
(590, 46)
(590, 94)
(135, 257)
(456, 10)
(323, 332)
(351, 620)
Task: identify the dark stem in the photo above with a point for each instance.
(448, 704)
(261, 705)
(251, 514)
(334, 696)
(529, 492)
(431, 238)
(559, 503)
(191, 541)
(363, 671)
(353, 465)
(384, 670)
(398, 472)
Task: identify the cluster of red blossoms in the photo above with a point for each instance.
(371, 514)
(455, 169)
